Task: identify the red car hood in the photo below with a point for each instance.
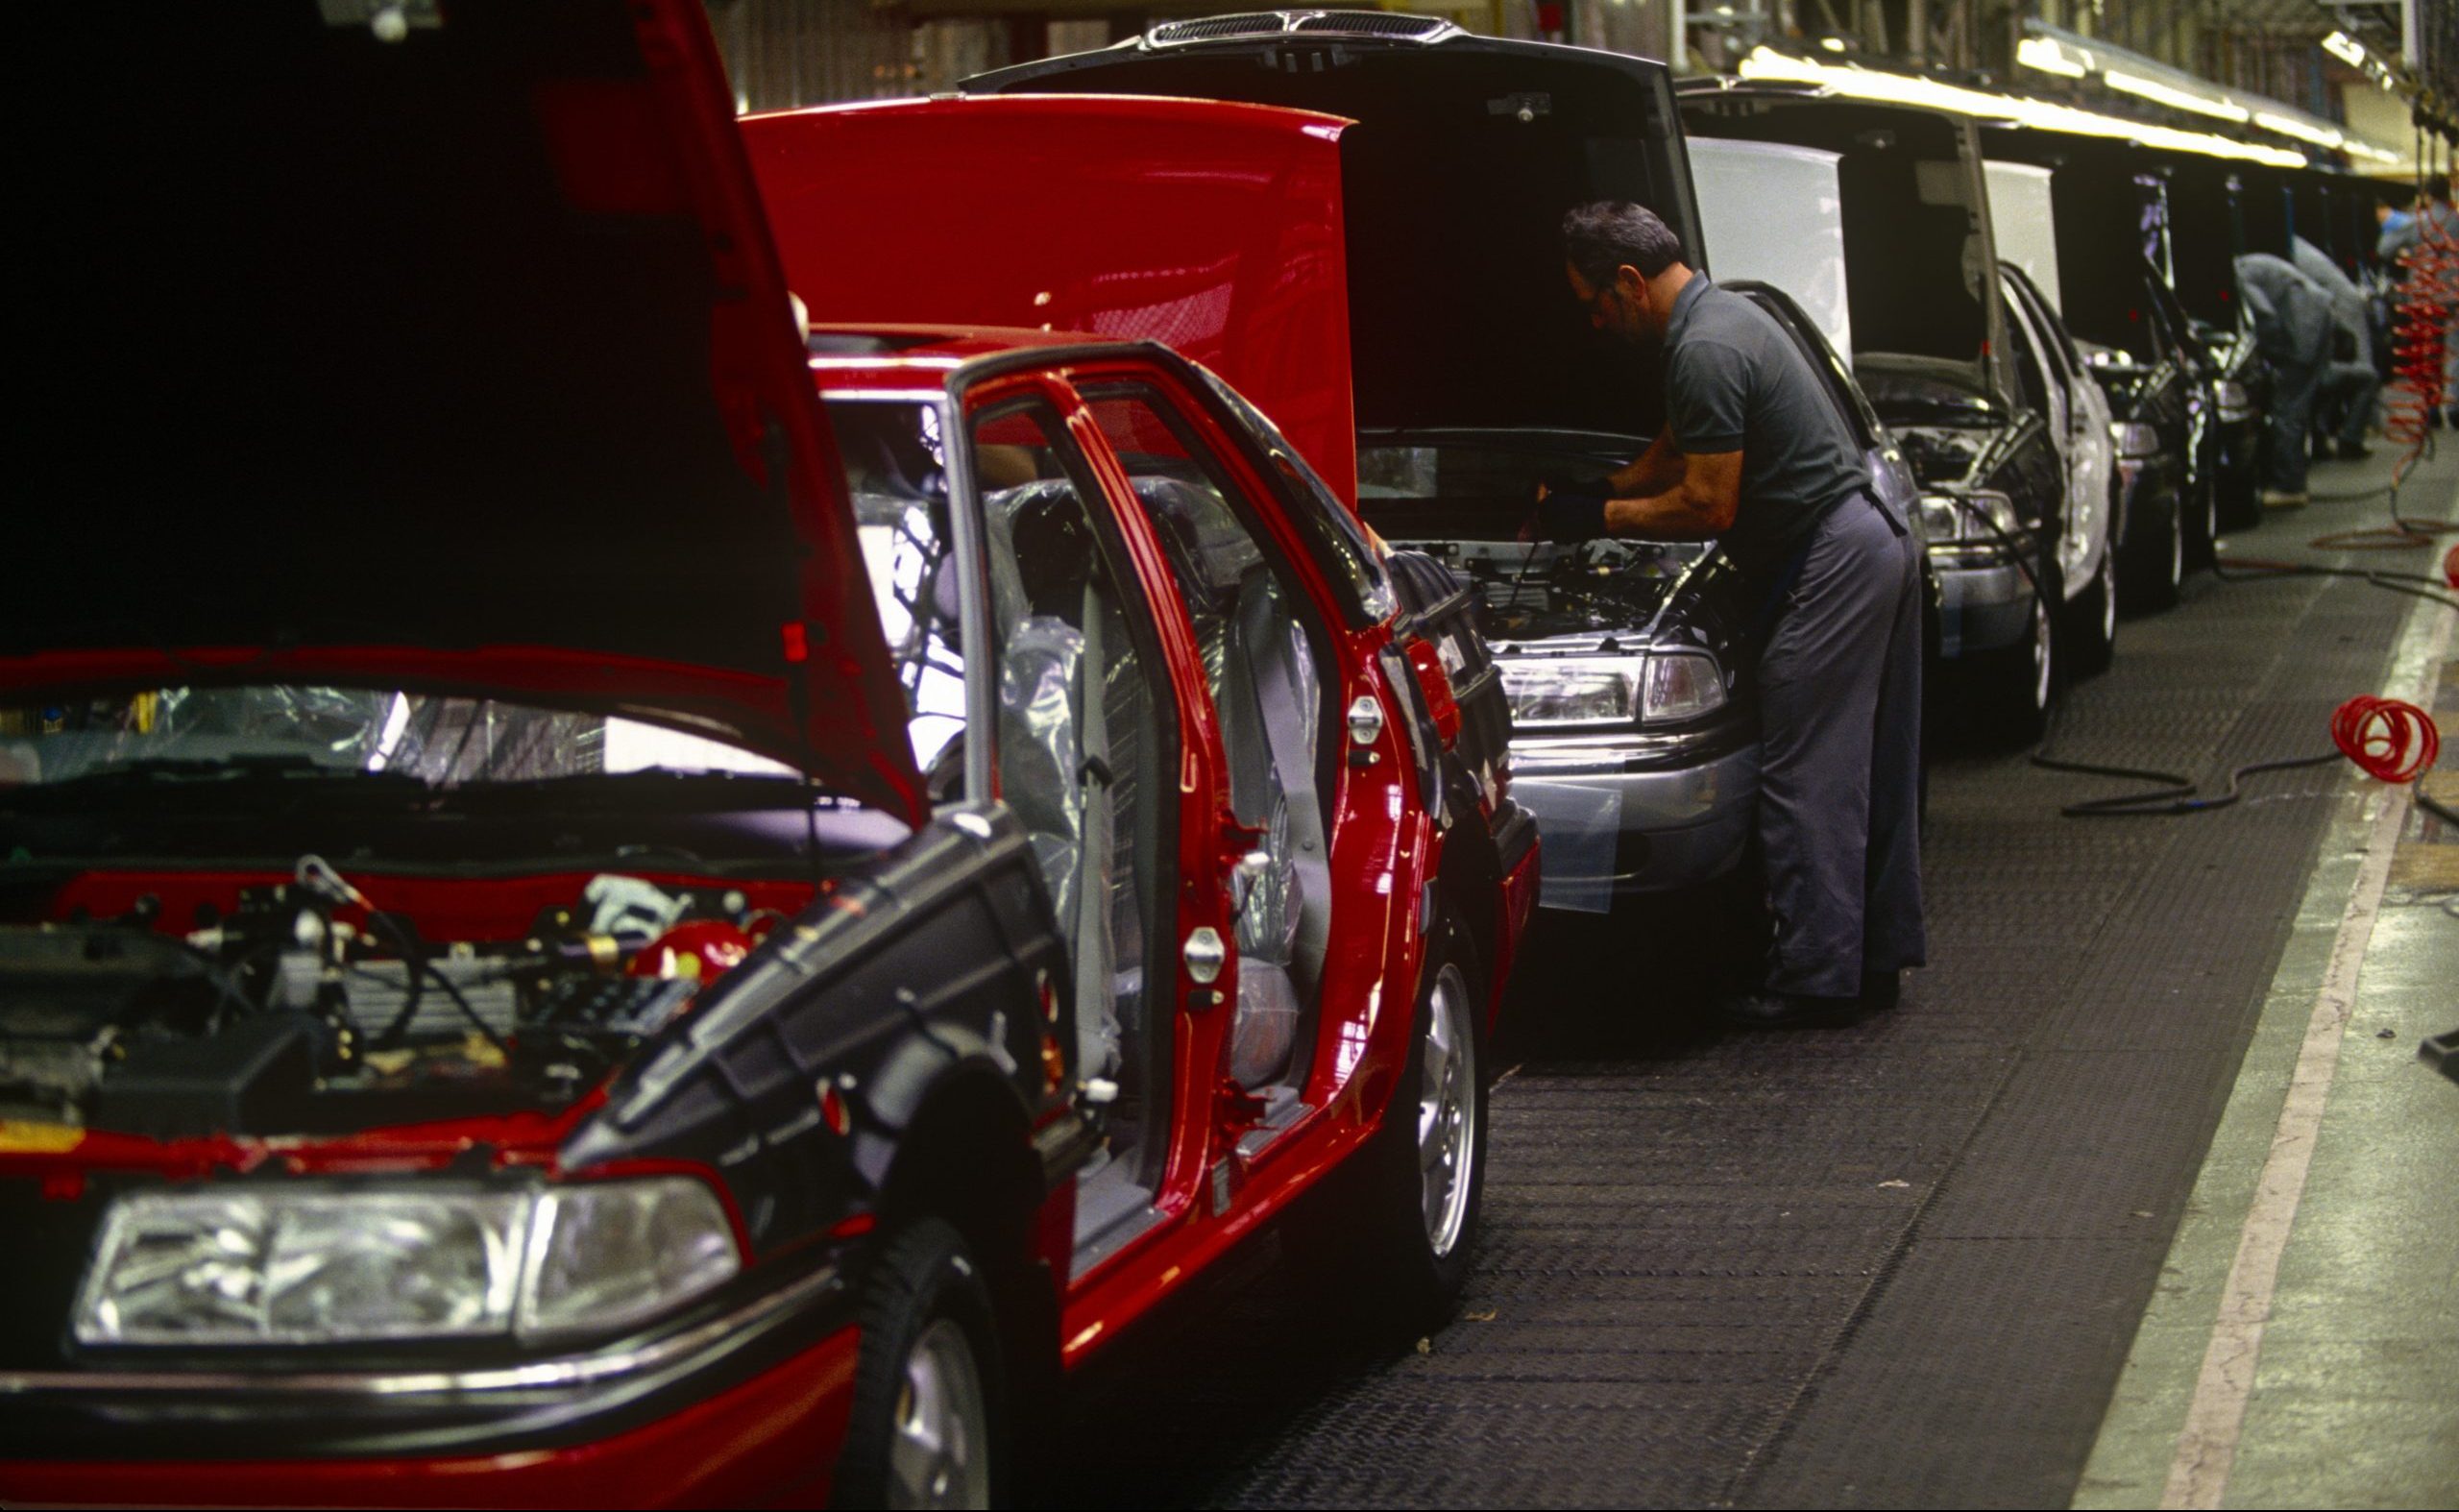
(1215, 227)
(449, 350)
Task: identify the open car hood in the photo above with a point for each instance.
(1464, 154)
(1921, 257)
(444, 345)
(1216, 229)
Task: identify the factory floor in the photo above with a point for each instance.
(2142, 1197)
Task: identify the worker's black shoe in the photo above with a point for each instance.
(2354, 451)
(1765, 1009)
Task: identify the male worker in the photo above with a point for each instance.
(2293, 327)
(1754, 455)
(2352, 411)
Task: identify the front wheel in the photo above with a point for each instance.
(2019, 685)
(2091, 621)
(2204, 547)
(1397, 1226)
(925, 1428)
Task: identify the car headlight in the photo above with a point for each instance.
(1611, 690)
(2134, 440)
(1681, 685)
(329, 1264)
(1574, 690)
(1961, 516)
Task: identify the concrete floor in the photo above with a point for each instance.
(2337, 1383)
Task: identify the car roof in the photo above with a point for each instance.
(910, 357)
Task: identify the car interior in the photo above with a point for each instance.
(1264, 663)
(1082, 761)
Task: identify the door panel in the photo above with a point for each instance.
(1265, 669)
(1083, 749)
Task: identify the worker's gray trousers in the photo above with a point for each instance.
(1839, 776)
(2296, 392)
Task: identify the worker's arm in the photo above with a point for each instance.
(1653, 472)
(1700, 504)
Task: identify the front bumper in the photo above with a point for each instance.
(1639, 813)
(1985, 601)
(749, 1407)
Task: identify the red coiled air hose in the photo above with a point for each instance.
(2391, 741)
(2420, 340)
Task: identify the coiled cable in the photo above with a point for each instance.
(2389, 739)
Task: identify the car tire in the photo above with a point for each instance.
(2091, 622)
(2021, 683)
(929, 1408)
(1396, 1228)
(2155, 566)
(2203, 524)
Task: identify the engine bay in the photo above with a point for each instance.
(1538, 590)
(302, 1005)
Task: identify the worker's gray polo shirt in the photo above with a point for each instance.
(1735, 382)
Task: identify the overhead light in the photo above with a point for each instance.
(2049, 55)
(2174, 97)
(2304, 131)
(1870, 83)
(2345, 48)
(1834, 44)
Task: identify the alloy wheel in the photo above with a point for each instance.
(1447, 1112)
(2176, 546)
(2107, 576)
(2044, 638)
(940, 1458)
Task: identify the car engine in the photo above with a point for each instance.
(306, 1007)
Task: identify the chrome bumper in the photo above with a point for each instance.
(1615, 822)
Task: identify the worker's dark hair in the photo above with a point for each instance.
(1606, 234)
(2439, 189)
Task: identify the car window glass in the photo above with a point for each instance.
(2035, 315)
(1341, 543)
(1078, 746)
(1814, 350)
(1264, 667)
(2028, 374)
(896, 483)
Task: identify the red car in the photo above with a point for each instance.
(578, 926)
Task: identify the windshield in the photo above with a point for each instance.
(446, 741)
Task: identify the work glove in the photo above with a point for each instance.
(1572, 510)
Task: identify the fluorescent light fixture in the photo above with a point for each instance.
(2303, 131)
(2345, 48)
(1834, 44)
(1870, 83)
(2375, 153)
(2174, 97)
(2045, 54)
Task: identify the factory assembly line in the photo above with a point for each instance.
(1049, 796)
